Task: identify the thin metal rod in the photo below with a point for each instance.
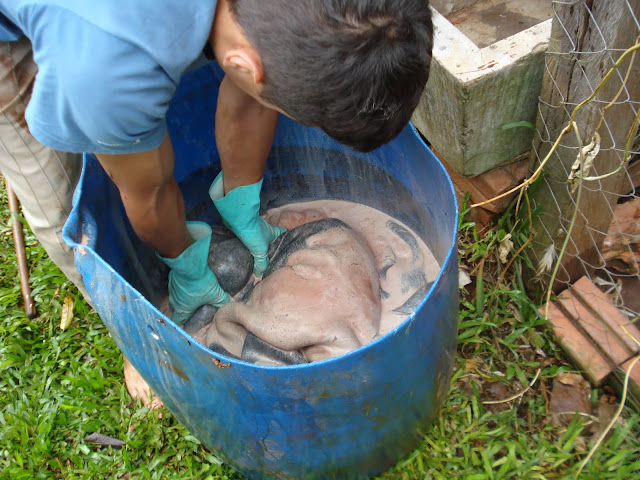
(21, 254)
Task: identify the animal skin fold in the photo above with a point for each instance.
(320, 296)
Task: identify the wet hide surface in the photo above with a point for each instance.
(319, 298)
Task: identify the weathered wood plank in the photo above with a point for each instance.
(631, 180)
(587, 38)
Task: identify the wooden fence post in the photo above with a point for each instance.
(588, 37)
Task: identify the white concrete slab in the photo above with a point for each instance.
(474, 92)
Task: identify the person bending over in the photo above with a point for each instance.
(106, 72)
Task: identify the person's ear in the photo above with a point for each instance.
(247, 61)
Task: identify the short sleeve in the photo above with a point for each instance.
(9, 32)
(95, 92)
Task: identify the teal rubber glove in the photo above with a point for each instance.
(239, 211)
(191, 281)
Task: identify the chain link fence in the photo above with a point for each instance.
(586, 152)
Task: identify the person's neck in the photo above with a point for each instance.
(226, 33)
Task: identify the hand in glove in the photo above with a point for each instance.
(239, 210)
(191, 281)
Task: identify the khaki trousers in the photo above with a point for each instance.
(42, 178)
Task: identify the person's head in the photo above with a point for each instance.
(355, 68)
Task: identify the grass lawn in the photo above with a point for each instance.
(59, 386)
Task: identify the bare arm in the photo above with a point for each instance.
(244, 134)
(149, 192)
(151, 197)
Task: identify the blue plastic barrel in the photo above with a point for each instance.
(348, 417)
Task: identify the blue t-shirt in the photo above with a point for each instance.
(107, 69)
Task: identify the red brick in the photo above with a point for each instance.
(578, 346)
(597, 301)
(595, 327)
(500, 180)
(490, 184)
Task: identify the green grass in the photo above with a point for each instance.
(57, 387)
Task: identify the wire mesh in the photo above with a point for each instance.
(588, 200)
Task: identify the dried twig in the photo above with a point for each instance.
(524, 245)
(623, 400)
(567, 237)
(514, 397)
(606, 431)
(630, 336)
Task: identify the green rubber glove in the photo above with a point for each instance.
(239, 210)
(191, 281)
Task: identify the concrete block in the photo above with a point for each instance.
(473, 92)
(445, 7)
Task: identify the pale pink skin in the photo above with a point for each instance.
(138, 387)
(324, 302)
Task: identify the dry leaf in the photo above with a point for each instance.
(580, 445)
(463, 278)
(571, 379)
(546, 263)
(496, 392)
(67, 312)
(570, 395)
(506, 246)
(582, 166)
(104, 440)
(474, 363)
(605, 411)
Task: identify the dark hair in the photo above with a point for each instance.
(355, 68)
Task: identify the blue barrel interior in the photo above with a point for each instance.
(348, 417)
